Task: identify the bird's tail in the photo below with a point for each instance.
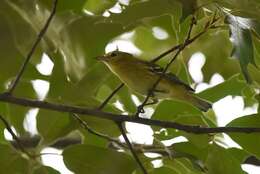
(200, 103)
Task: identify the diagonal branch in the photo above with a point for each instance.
(86, 112)
(110, 96)
(122, 130)
(19, 144)
(29, 55)
(90, 130)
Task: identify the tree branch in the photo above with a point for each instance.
(196, 129)
(90, 130)
(121, 128)
(29, 55)
(110, 96)
(16, 139)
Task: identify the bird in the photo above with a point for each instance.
(140, 76)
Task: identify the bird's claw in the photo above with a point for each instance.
(140, 109)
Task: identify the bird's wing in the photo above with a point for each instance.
(170, 76)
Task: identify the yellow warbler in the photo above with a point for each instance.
(140, 76)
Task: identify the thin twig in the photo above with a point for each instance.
(19, 144)
(28, 57)
(165, 53)
(92, 131)
(110, 96)
(193, 22)
(86, 112)
(122, 130)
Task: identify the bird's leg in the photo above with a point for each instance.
(140, 108)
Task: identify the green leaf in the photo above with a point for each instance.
(188, 7)
(98, 6)
(94, 140)
(239, 154)
(220, 161)
(188, 149)
(45, 170)
(181, 165)
(214, 57)
(146, 36)
(12, 161)
(123, 95)
(12, 55)
(233, 86)
(66, 5)
(107, 127)
(86, 38)
(135, 13)
(170, 110)
(200, 141)
(243, 8)
(248, 142)
(53, 125)
(16, 113)
(242, 45)
(164, 170)
(82, 158)
(23, 33)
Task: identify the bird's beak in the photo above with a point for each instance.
(100, 58)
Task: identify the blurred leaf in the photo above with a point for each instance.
(221, 161)
(86, 38)
(107, 127)
(181, 165)
(11, 56)
(213, 38)
(157, 32)
(123, 95)
(66, 5)
(88, 86)
(23, 33)
(249, 96)
(248, 142)
(233, 86)
(200, 141)
(16, 113)
(82, 158)
(239, 154)
(242, 44)
(53, 125)
(171, 110)
(12, 161)
(243, 8)
(99, 6)
(135, 13)
(188, 7)
(189, 149)
(45, 170)
(91, 139)
(164, 170)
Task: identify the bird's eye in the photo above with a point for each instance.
(113, 54)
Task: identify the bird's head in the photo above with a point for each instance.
(113, 57)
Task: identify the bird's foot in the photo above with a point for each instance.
(140, 109)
